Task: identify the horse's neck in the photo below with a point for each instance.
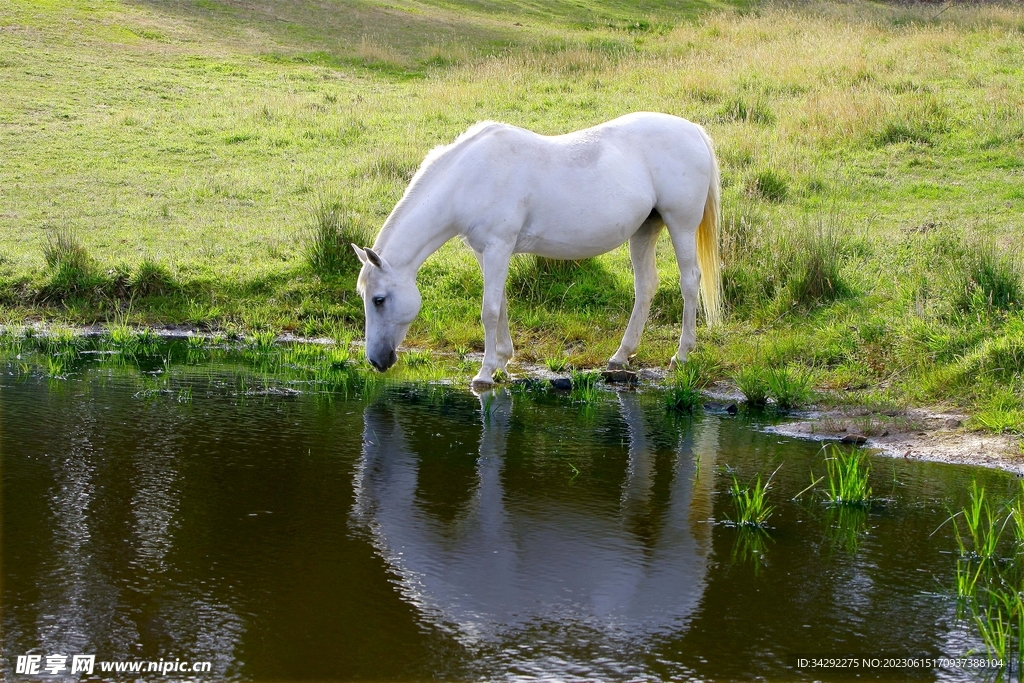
(419, 226)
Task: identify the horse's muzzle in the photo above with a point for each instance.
(381, 365)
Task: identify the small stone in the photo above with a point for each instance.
(561, 383)
(713, 406)
(619, 376)
(854, 439)
(952, 423)
(885, 433)
(732, 409)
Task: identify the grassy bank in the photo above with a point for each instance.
(194, 162)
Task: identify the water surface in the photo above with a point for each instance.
(414, 532)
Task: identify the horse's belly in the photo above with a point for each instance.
(576, 232)
(554, 246)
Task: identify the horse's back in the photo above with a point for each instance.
(659, 149)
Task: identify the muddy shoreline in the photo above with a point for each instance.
(916, 433)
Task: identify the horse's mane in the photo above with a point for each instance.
(433, 163)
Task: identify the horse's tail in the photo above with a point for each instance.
(707, 244)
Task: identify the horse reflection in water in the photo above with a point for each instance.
(544, 584)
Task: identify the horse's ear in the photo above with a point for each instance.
(359, 253)
(373, 258)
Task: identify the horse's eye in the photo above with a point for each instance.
(378, 301)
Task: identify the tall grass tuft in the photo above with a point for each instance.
(557, 363)
(263, 342)
(63, 249)
(848, 475)
(987, 586)
(894, 132)
(1017, 517)
(816, 277)
(72, 271)
(122, 338)
(740, 110)
(967, 577)
(57, 367)
(132, 343)
(683, 394)
(769, 185)
(584, 387)
(752, 508)
(984, 528)
(1000, 622)
(60, 342)
(334, 227)
(791, 388)
(687, 383)
(150, 278)
(989, 278)
(752, 381)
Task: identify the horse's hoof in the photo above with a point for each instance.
(613, 366)
(482, 382)
(672, 364)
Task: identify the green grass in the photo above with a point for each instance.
(683, 393)
(870, 159)
(848, 474)
(263, 342)
(751, 502)
(557, 363)
(983, 527)
(752, 382)
(791, 388)
(334, 229)
(584, 387)
(989, 583)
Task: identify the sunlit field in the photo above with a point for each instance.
(205, 163)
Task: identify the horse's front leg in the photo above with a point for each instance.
(504, 346)
(495, 266)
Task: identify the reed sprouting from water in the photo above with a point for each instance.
(990, 587)
(848, 476)
(752, 508)
(584, 387)
(1016, 519)
(131, 342)
(983, 526)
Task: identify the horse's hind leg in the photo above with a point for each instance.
(642, 248)
(683, 229)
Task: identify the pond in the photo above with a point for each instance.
(281, 527)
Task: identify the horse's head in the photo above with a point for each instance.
(391, 302)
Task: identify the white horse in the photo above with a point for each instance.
(505, 190)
